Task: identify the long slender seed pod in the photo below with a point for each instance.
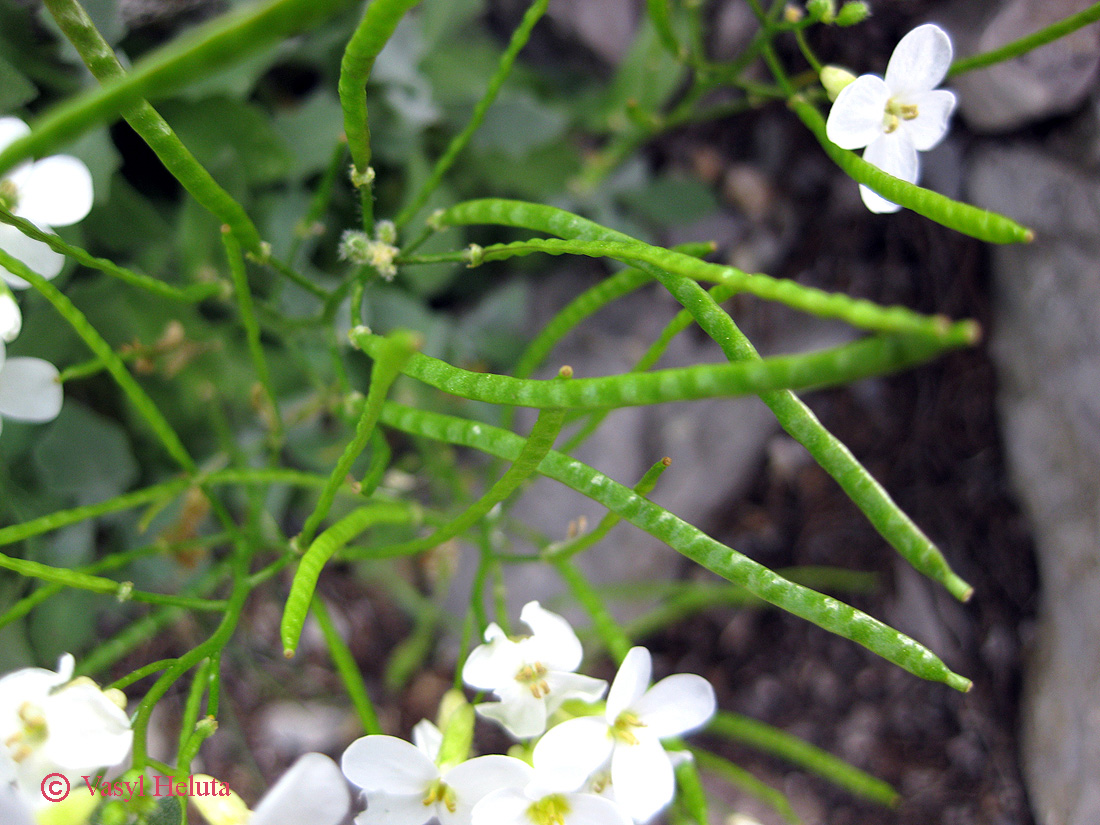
(100, 59)
(791, 413)
(389, 359)
(347, 668)
(607, 629)
(201, 51)
(740, 778)
(318, 554)
(525, 464)
(519, 39)
(962, 217)
(872, 356)
(822, 610)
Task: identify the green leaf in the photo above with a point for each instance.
(15, 89)
(169, 811)
(671, 200)
(311, 129)
(85, 455)
(518, 123)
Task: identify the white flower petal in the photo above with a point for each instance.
(36, 255)
(11, 320)
(630, 682)
(643, 778)
(855, 119)
(504, 807)
(86, 729)
(553, 642)
(521, 714)
(427, 738)
(312, 791)
(386, 763)
(493, 664)
(895, 155)
(920, 61)
(55, 191)
(572, 686)
(930, 125)
(29, 390)
(475, 779)
(570, 752)
(587, 809)
(676, 704)
(11, 129)
(395, 809)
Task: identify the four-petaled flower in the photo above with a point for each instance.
(313, 791)
(52, 723)
(54, 191)
(531, 676)
(897, 116)
(537, 805)
(629, 735)
(29, 391)
(404, 786)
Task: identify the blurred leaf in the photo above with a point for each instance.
(101, 157)
(311, 129)
(169, 811)
(517, 123)
(85, 455)
(666, 201)
(496, 330)
(221, 132)
(15, 89)
(63, 624)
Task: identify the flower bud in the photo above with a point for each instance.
(834, 79)
(852, 12)
(821, 10)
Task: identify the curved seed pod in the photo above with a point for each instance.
(100, 59)
(791, 413)
(206, 48)
(318, 554)
(824, 611)
(849, 362)
(962, 217)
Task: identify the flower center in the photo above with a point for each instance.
(534, 677)
(9, 195)
(439, 791)
(33, 733)
(550, 810)
(897, 112)
(623, 728)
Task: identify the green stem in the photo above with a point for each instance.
(347, 668)
(1028, 42)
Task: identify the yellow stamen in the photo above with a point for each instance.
(550, 810)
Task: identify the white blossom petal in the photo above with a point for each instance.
(588, 809)
(55, 191)
(427, 738)
(643, 778)
(630, 682)
(475, 779)
(504, 807)
(386, 763)
(86, 728)
(570, 752)
(11, 129)
(36, 255)
(312, 791)
(29, 390)
(395, 809)
(11, 320)
(895, 155)
(494, 663)
(553, 642)
(676, 704)
(930, 126)
(521, 714)
(572, 686)
(920, 61)
(856, 117)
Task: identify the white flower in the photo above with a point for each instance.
(11, 319)
(404, 786)
(52, 723)
(312, 791)
(534, 806)
(531, 676)
(54, 191)
(628, 735)
(898, 116)
(29, 390)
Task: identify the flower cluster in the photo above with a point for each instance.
(609, 768)
(892, 118)
(52, 723)
(54, 191)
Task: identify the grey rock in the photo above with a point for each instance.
(1045, 344)
(1047, 81)
(604, 26)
